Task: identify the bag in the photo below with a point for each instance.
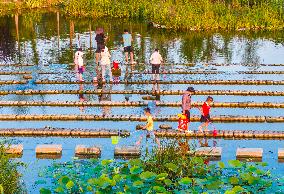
(115, 64)
(116, 72)
(182, 122)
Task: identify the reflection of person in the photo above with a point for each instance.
(105, 63)
(100, 39)
(149, 127)
(127, 40)
(105, 98)
(79, 63)
(186, 102)
(205, 114)
(81, 97)
(156, 61)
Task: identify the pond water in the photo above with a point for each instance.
(48, 42)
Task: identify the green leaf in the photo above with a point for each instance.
(159, 189)
(185, 181)
(59, 189)
(1, 189)
(237, 189)
(106, 162)
(148, 176)
(44, 191)
(63, 180)
(135, 162)
(221, 164)
(214, 185)
(136, 170)
(70, 184)
(172, 167)
(138, 184)
(235, 163)
(162, 176)
(89, 188)
(168, 182)
(234, 180)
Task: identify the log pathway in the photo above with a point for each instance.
(168, 118)
(194, 82)
(141, 103)
(145, 92)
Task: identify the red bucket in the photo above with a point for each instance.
(115, 64)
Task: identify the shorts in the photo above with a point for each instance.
(100, 47)
(155, 69)
(128, 49)
(81, 70)
(205, 119)
(187, 113)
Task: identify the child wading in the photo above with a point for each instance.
(149, 127)
(79, 63)
(105, 63)
(205, 114)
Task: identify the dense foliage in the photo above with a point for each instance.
(167, 170)
(10, 178)
(174, 14)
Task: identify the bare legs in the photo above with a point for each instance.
(131, 57)
(205, 126)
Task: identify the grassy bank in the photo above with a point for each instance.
(174, 14)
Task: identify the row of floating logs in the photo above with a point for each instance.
(54, 151)
(15, 72)
(16, 65)
(65, 132)
(144, 92)
(168, 118)
(212, 72)
(194, 82)
(236, 134)
(142, 103)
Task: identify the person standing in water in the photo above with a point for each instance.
(205, 114)
(79, 64)
(127, 43)
(186, 102)
(105, 63)
(100, 39)
(156, 60)
(149, 127)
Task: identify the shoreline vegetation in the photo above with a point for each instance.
(194, 15)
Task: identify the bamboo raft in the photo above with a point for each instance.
(144, 92)
(141, 103)
(194, 82)
(168, 118)
(63, 132)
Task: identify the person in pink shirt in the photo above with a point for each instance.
(156, 60)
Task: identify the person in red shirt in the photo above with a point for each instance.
(205, 114)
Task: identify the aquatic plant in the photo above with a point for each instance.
(10, 178)
(186, 174)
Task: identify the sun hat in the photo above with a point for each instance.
(190, 89)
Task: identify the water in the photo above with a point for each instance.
(49, 44)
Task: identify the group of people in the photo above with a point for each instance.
(103, 60)
(103, 57)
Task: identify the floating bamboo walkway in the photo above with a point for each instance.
(212, 72)
(194, 82)
(16, 65)
(64, 132)
(15, 72)
(168, 118)
(141, 103)
(144, 92)
(237, 134)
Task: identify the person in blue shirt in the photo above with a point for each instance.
(127, 40)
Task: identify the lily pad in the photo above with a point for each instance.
(148, 176)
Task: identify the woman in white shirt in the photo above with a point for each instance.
(79, 63)
(156, 60)
(105, 63)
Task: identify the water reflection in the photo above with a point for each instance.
(43, 38)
